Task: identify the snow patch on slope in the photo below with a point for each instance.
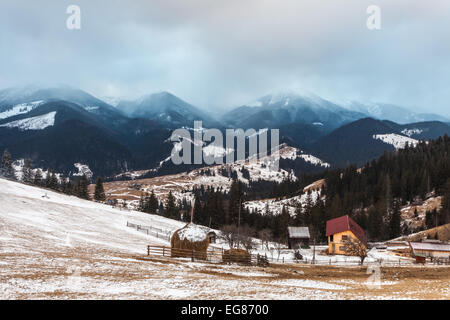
(20, 109)
(83, 169)
(275, 207)
(410, 132)
(398, 141)
(33, 123)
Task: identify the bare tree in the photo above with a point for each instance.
(279, 247)
(354, 247)
(246, 237)
(230, 234)
(265, 235)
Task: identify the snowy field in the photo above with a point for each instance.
(54, 246)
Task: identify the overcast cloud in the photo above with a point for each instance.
(223, 53)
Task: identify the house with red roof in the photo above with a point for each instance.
(340, 230)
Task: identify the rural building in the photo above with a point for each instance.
(340, 230)
(298, 236)
(430, 250)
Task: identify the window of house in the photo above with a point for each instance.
(342, 248)
(331, 238)
(344, 238)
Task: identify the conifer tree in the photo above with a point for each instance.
(152, 203)
(38, 177)
(99, 193)
(171, 208)
(27, 173)
(394, 223)
(48, 179)
(83, 190)
(7, 169)
(53, 182)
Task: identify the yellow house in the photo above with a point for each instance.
(340, 230)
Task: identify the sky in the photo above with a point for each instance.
(219, 54)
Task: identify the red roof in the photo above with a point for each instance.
(345, 223)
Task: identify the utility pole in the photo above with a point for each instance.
(314, 246)
(192, 211)
(239, 221)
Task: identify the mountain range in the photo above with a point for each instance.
(59, 126)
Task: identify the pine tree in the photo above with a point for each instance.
(336, 207)
(99, 193)
(171, 208)
(394, 223)
(38, 178)
(83, 189)
(53, 182)
(27, 173)
(48, 179)
(152, 203)
(7, 169)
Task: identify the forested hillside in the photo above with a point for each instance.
(372, 195)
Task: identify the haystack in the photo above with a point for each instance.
(237, 256)
(190, 240)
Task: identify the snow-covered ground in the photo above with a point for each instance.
(54, 246)
(83, 169)
(20, 109)
(33, 123)
(275, 206)
(398, 141)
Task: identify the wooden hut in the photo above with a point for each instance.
(298, 237)
(190, 241)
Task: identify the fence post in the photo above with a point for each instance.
(192, 259)
(148, 250)
(164, 251)
(283, 259)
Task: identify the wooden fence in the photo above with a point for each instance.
(153, 231)
(211, 255)
(214, 255)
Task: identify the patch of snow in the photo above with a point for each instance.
(20, 109)
(314, 160)
(306, 283)
(33, 123)
(398, 141)
(91, 108)
(193, 233)
(83, 169)
(410, 132)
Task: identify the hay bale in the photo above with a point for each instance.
(191, 239)
(237, 256)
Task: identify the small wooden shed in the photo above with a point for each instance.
(298, 236)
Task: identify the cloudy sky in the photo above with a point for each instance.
(223, 53)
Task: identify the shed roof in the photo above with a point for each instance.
(345, 223)
(427, 246)
(298, 232)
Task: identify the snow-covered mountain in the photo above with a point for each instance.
(277, 110)
(395, 113)
(166, 108)
(19, 99)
